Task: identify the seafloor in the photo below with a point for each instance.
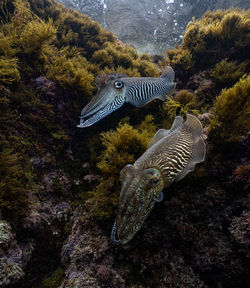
(59, 185)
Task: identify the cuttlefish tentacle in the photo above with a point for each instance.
(170, 156)
(103, 111)
(137, 91)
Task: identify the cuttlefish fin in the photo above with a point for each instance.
(160, 197)
(117, 102)
(178, 121)
(158, 136)
(161, 133)
(199, 146)
(168, 74)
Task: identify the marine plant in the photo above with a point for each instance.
(69, 69)
(185, 102)
(35, 34)
(180, 58)
(227, 72)
(9, 72)
(42, 40)
(232, 111)
(121, 147)
(102, 58)
(14, 187)
(215, 36)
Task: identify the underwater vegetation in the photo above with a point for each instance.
(60, 187)
(9, 71)
(44, 48)
(223, 34)
(14, 187)
(232, 110)
(184, 102)
(228, 73)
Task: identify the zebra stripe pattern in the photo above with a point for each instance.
(140, 92)
(173, 158)
(117, 103)
(176, 156)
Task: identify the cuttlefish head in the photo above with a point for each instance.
(140, 190)
(108, 99)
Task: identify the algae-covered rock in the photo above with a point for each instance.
(6, 234)
(14, 256)
(59, 185)
(240, 231)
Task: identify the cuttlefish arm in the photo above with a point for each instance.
(116, 103)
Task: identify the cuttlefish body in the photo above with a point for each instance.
(170, 156)
(117, 91)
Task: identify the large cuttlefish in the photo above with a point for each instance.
(137, 91)
(170, 156)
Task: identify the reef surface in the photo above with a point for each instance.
(59, 185)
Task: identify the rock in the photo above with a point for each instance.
(6, 234)
(204, 87)
(14, 256)
(103, 273)
(89, 255)
(45, 85)
(91, 178)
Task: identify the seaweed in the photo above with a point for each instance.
(227, 73)
(35, 34)
(214, 37)
(232, 109)
(68, 68)
(185, 102)
(180, 58)
(9, 70)
(239, 229)
(14, 187)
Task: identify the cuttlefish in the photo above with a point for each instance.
(170, 156)
(135, 90)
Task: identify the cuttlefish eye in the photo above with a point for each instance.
(119, 84)
(155, 180)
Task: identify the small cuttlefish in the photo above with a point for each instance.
(135, 90)
(170, 156)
